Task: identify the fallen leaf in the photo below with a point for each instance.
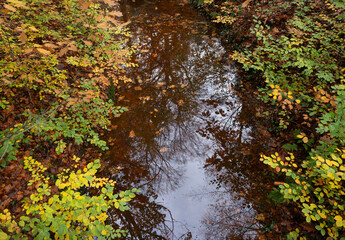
(9, 7)
(63, 51)
(180, 102)
(23, 37)
(109, 2)
(183, 85)
(132, 134)
(138, 88)
(305, 139)
(43, 51)
(88, 43)
(245, 4)
(164, 149)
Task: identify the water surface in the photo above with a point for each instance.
(192, 137)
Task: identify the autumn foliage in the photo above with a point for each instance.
(297, 48)
(58, 59)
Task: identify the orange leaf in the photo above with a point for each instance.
(132, 134)
(164, 149)
(305, 139)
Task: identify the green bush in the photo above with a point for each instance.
(68, 214)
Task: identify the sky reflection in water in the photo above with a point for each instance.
(197, 141)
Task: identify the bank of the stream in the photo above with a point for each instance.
(297, 50)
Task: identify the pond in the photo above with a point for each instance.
(192, 138)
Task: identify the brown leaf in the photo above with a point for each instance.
(43, 51)
(63, 51)
(99, 18)
(103, 25)
(110, 19)
(50, 45)
(88, 43)
(124, 24)
(73, 48)
(138, 88)
(23, 37)
(84, 5)
(115, 13)
(109, 2)
(9, 7)
(132, 134)
(245, 4)
(180, 102)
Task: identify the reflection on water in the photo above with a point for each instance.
(191, 139)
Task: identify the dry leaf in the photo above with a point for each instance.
(84, 5)
(124, 24)
(9, 7)
(73, 48)
(63, 51)
(88, 43)
(245, 4)
(23, 37)
(138, 88)
(183, 85)
(43, 51)
(132, 134)
(50, 45)
(110, 19)
(109, 2)
(103, 25)
(180, 102)
(99, 18)
(116, 14)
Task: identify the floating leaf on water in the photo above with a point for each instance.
(132, 134)
(164, 149)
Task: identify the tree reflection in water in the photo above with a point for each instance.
(181, 111)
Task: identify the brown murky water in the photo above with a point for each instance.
(192, 137)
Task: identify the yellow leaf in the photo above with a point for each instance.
(338, 218)
(305, 139)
